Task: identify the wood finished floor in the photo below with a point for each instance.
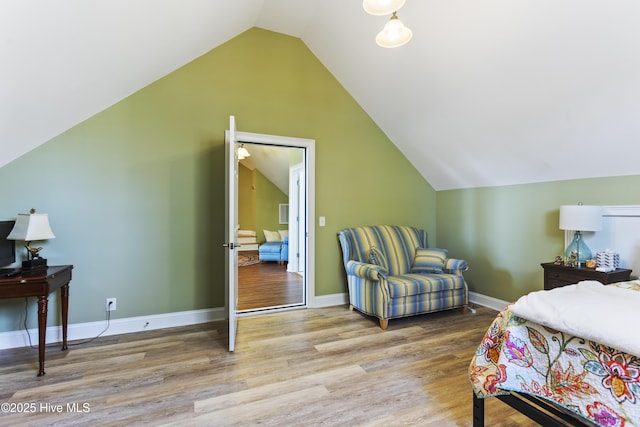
(268, 284)
(326, 366)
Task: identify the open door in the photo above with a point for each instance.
(231, 227)
(306, 205)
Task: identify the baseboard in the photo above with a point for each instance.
(486, 301)
(475, 298)
(81, 331)
(329, 300)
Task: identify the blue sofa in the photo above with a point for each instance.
(274, 251)
(392, 273)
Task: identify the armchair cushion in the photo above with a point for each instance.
(270, 251)
(417, 284)
(431, 260)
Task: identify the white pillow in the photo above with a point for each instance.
(271, 236)
(283, 234)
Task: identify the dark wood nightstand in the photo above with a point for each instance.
(40, 285)
(556, 275)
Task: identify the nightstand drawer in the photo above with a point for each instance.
(555, 279)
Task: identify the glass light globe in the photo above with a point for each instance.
(382, 7)
(394, 33)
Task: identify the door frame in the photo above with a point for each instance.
(296, 195)
(309, 163)
(231, 227)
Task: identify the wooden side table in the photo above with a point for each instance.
(41, 286)
(556, 275)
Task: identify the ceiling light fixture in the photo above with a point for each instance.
(394, 33)
(382, 7)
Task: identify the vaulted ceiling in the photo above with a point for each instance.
(488, 92)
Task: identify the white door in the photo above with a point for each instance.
(306, 237)
(231, 216)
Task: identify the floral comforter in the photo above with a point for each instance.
(590, 379)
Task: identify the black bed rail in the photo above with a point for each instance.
(544, 413)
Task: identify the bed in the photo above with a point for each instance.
(567, 356)
(247, 240)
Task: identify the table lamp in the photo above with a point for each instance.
(28, 228)
(580, 218)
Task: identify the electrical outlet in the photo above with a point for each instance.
(111, 304)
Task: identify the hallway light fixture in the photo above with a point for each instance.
(382, 7)
(243, 152)
(394, 33)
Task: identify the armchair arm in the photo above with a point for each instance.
(455, 266)
(368, 271)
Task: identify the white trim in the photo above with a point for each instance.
(81, 331)
(630, 210)
(474, 297)
(487, 301)
(329, 300)
(310, 182)
(269, 310)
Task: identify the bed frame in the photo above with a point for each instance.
(541, 411)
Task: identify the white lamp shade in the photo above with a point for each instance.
(382, 7)
(30, 227)
(580, 217)
(393, 34)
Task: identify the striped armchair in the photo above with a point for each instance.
(392, 273)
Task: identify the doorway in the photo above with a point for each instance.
(273, 200)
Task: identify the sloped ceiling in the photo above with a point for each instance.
(489, 92)
(273, 162)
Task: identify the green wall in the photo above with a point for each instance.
(135, 194)
(268, 197)
(258, 200)
(506, 232)
(246, 198)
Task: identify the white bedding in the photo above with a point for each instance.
(247, 240)
(608, 314)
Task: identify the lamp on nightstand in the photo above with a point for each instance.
(580, 218)
(28, 228)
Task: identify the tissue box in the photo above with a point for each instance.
(607, 261)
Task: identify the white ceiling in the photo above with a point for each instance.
(488, 92)
(272, 161)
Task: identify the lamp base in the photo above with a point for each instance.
(579, 249)
(34, 264)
